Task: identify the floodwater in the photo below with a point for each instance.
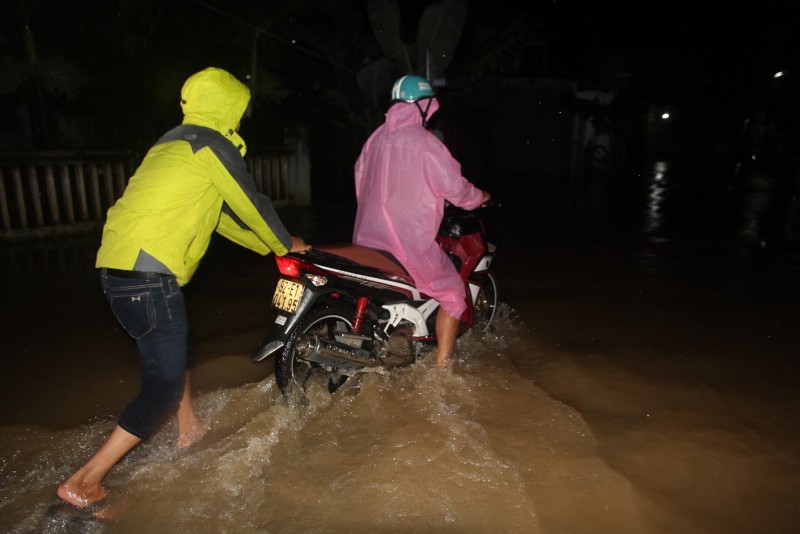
(641, 377)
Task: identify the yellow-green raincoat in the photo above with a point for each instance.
(192, 182)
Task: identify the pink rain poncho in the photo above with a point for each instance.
(403, 177)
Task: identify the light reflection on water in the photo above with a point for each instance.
(656, 188)
(751, 208)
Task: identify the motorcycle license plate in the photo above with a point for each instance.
(287, 295)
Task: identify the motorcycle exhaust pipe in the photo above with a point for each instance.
(313, 348)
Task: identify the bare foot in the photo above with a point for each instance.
(191, 436)
(81, 496)
(74, 503)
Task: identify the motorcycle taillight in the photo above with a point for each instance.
(289, 266)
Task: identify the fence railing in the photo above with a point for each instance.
(50, 193)
(270, 172)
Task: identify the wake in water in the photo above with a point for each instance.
(634, 442)
(406, 449)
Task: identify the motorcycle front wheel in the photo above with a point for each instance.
(292, 373)
(486, 303)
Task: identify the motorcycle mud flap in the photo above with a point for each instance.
(396, 351)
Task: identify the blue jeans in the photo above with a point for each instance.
(153, 312)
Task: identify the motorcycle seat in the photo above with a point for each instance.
(370, 257)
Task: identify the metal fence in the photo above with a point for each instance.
(51, 193)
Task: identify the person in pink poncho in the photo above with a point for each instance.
(403, 177)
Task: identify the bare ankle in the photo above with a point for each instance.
(191, 435)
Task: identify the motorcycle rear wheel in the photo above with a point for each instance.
(486, 303)
(293, 374)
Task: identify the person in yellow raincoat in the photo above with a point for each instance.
(191, 183)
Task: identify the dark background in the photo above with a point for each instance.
(87, 74)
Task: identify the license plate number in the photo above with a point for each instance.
(287, 295)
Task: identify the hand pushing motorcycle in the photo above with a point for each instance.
(344, 310)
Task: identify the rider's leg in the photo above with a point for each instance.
(446, 332)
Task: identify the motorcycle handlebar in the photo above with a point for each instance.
(491, 203)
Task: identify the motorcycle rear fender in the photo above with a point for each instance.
(284, 323)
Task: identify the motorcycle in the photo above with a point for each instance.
(343, 310)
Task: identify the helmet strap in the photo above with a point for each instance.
(424, 113)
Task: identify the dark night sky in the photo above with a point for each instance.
(685, 48)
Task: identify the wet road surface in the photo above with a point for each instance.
(641, 377)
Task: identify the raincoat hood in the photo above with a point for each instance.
(406, 113)
(214, 98)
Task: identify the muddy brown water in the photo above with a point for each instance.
(641, 377)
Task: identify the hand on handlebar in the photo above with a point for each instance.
(299, 245)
